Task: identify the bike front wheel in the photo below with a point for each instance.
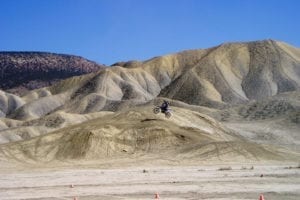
(168, 114)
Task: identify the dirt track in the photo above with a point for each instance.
(200, 182)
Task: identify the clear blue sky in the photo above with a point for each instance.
(108, 31)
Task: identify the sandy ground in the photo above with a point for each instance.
(176, 183)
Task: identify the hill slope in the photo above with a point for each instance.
(22, 71)
(237, 73)
(219, 77)
(139, 134)
(252, 88)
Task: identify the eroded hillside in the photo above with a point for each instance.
(233, 102)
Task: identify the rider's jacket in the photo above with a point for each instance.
(164, 105)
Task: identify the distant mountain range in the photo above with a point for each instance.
(23, 71)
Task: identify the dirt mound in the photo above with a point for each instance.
(14, 130)
(241, 151)
(136, 133)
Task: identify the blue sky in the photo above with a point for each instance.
(108, 31)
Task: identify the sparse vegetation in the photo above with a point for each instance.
(225, 168)
(22, 71)
(267, 109)
(293, 167)
(245, 168)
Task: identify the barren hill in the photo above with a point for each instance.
(23, 71)
(237, 73)
(247, 89)
(138, 134)
(220, 77)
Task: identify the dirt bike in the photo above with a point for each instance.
(159, 109)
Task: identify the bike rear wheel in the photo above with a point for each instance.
(156, 110)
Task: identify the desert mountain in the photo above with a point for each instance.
(237, 73)
(226, 75)
(23, 71)
(226, 100)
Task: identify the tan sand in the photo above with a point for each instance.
(172, 183)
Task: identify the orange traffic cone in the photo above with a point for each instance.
(156, 196)
(261, 197)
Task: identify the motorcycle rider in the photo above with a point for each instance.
(164, 106)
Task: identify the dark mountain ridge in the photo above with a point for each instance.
(23, 71)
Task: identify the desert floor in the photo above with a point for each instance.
(275, 182)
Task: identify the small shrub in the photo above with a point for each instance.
(245, 168)
(225, 168)
(295, 167)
